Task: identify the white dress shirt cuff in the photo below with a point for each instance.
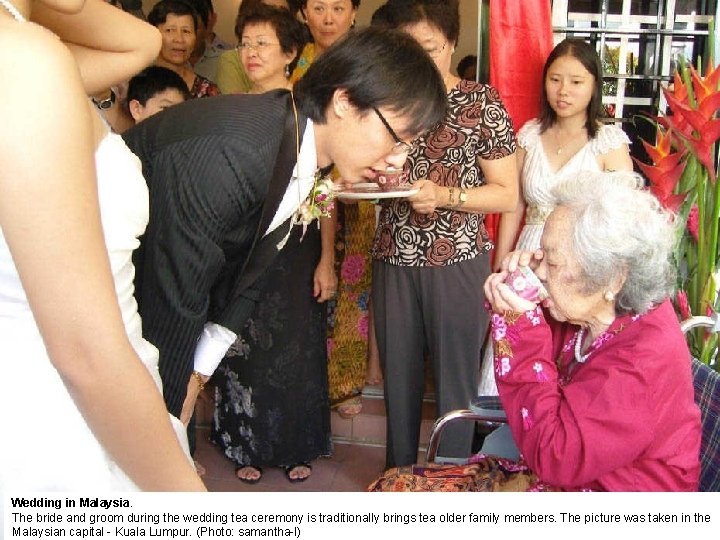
(212, 346)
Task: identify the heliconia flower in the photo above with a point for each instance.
(700, 129)
(683, 305)
(666, 171)
(692, 221)
(679, 88)
(663, 181)
(705, 86)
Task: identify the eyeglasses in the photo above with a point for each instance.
(434, 53)
(260, 46)
(401, 147)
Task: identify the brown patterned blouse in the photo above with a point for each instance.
(476, 126)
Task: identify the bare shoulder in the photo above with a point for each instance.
(33, 55)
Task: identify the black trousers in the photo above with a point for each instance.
(439, 311)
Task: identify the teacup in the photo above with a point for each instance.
(526, 284)
(390, 179)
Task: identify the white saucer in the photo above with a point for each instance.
(372, 191)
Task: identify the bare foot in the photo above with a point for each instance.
(350, 407)
(299, 472)
(249, 474)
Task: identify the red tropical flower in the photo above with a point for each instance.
(698, 125)
(666, 172)
(683, 305)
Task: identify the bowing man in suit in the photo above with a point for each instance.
(227, 174)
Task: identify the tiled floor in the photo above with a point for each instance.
(350, 468)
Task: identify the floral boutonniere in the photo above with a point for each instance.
(320, 202)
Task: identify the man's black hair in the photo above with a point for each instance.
(153, 80)
(378, 68)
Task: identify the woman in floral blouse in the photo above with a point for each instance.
(596, 384)
(431, 250)
(177, 22)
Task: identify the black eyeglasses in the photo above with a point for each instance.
(401, 147)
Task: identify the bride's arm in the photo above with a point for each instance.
(109, 45)
(50, 219)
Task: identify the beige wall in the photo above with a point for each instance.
(467, 44)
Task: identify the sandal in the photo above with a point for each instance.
(249, 480)
(290, 468)
(350, 407)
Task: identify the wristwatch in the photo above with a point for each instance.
(106, 103)
(462, 197)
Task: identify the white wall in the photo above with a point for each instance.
(467, 44)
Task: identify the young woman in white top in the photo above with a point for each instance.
(566, 138)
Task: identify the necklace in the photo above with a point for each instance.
(12, 10)
(580, 358)
(569, 142)
(561, 147)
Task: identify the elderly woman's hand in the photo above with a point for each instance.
(500, 295)
(428, 198)
(521, 258)
(502, 298)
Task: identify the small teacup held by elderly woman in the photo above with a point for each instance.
(595, 378)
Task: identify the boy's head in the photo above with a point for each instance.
(153, 89)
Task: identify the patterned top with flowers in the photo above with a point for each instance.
(623, 420)
(203, 87)
(476, 126)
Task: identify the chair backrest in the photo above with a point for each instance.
(706, 383)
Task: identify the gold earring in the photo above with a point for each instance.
(609, 296)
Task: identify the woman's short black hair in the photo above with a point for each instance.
(288, 29)
(151, 81)
(303, 3)
(442, 14)
(158, 14)
(378, 68)
(465, 63)
(584, 53)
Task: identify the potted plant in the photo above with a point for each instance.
(684, 178)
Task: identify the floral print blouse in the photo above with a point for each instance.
(477, 125)
(623, 420)
(203, 87)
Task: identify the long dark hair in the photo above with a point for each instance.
(584, 53)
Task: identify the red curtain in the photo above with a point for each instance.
(520, 41)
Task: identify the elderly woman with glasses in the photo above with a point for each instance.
(431, 249)
(595, 378)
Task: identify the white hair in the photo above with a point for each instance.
(621, 231)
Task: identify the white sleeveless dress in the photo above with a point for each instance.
(538, 181)
(50, 447)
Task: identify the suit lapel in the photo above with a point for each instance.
(264, 247)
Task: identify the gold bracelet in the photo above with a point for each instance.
(199, 379)
(451, 203)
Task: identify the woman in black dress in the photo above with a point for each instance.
(271, 396)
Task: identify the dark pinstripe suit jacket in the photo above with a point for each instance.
(210, 165)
